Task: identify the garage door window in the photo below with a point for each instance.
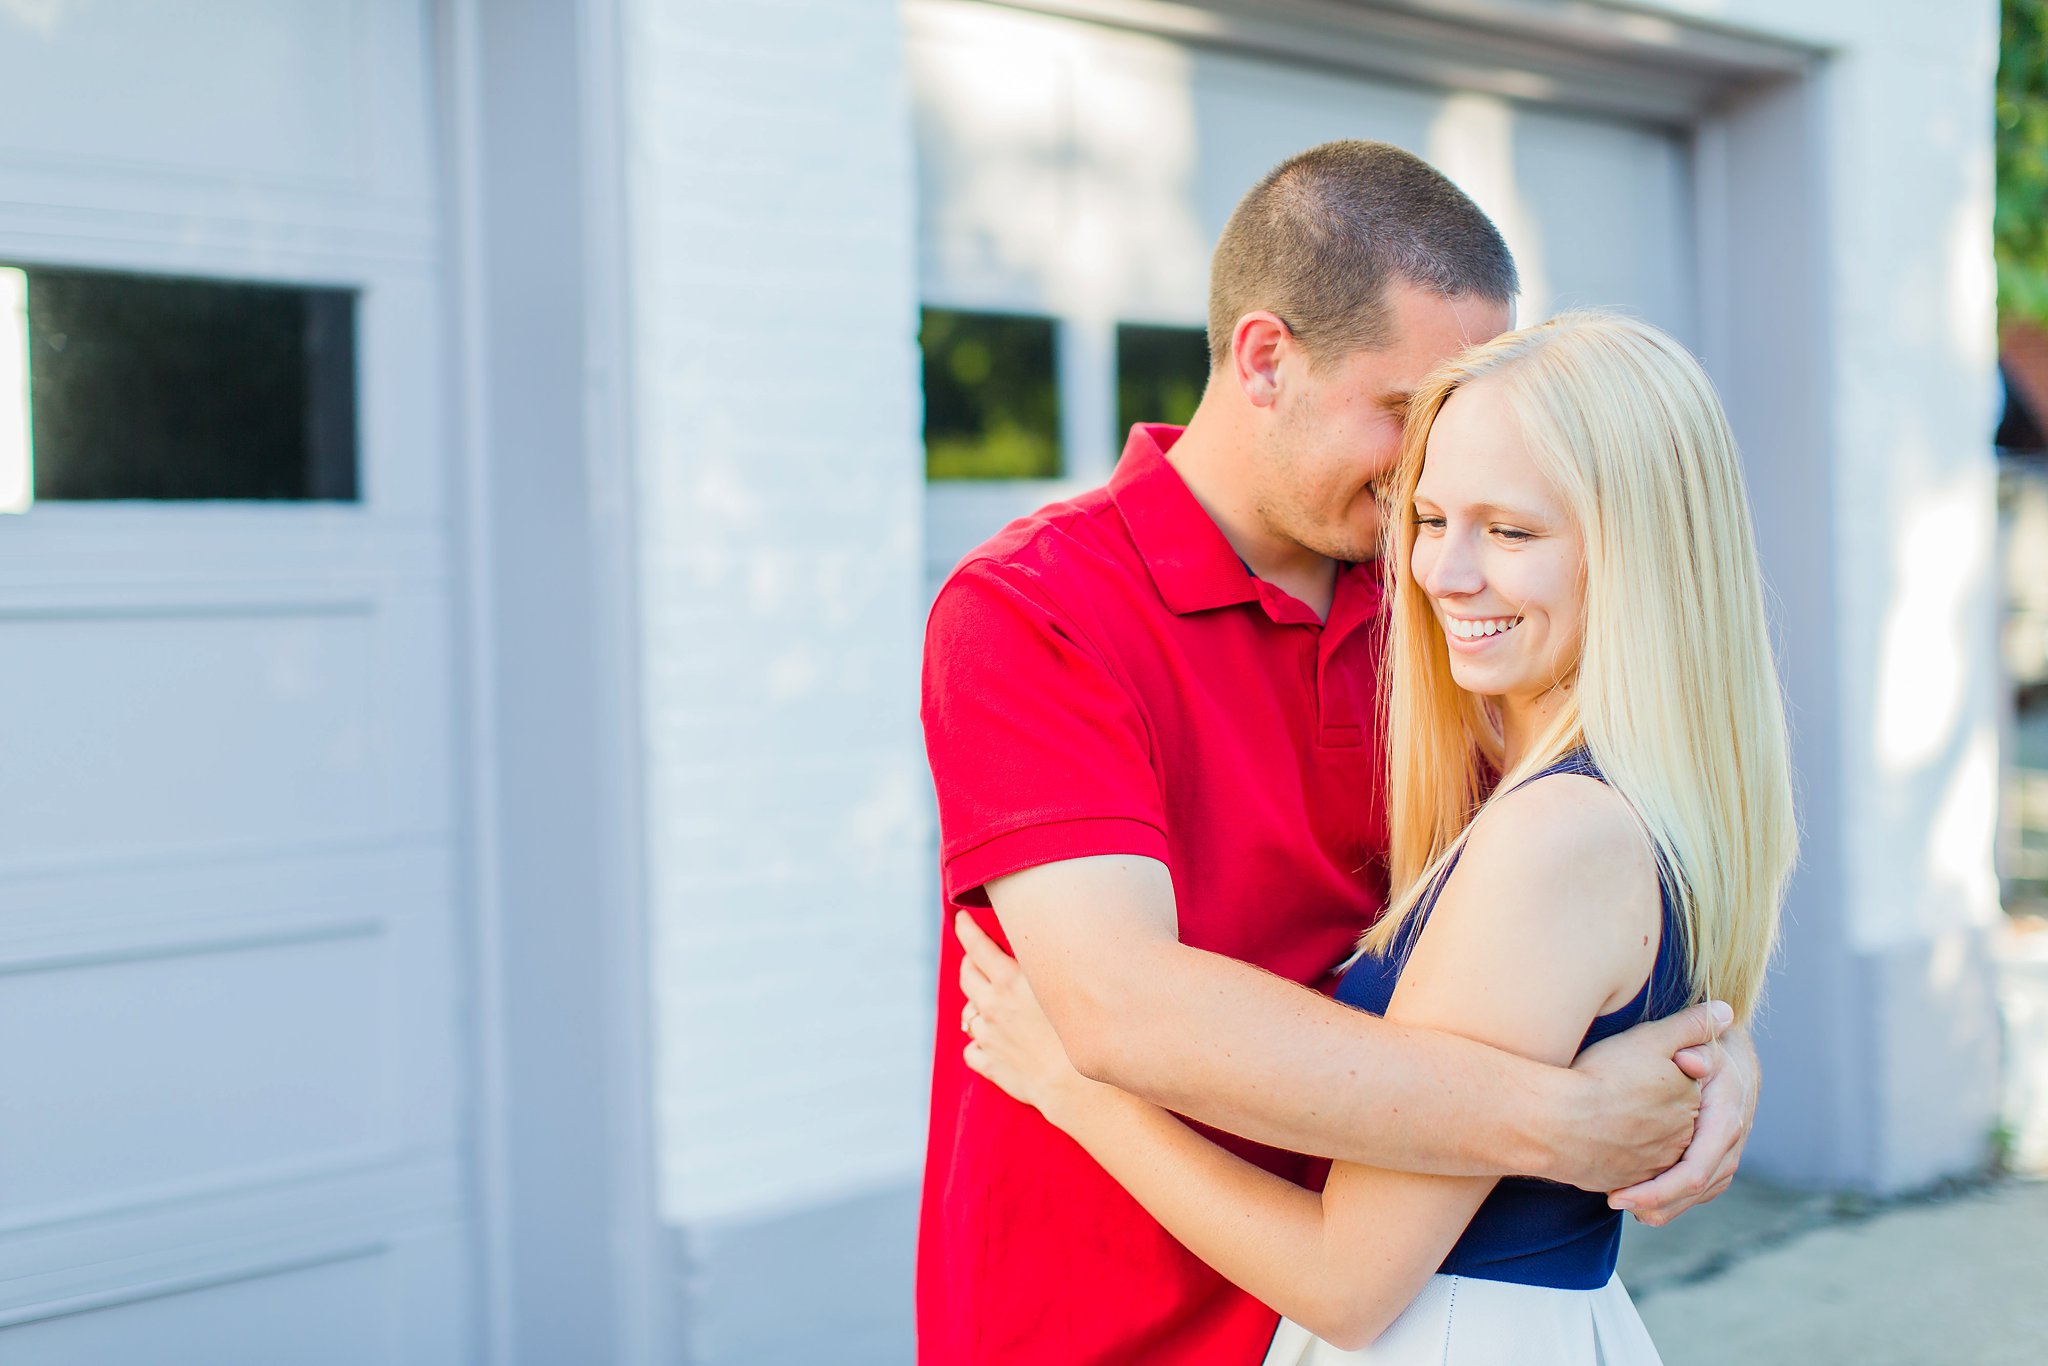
(1160, 372)
(991, 396)
(124, 386)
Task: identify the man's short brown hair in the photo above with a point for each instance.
(1322, 236)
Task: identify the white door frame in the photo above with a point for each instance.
(573, 1254)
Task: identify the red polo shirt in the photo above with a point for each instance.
(1106, 677)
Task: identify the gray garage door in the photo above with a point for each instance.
(1073, 177)
(231, 1014)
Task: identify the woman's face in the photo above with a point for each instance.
(1500, 558)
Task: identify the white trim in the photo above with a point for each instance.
(1711, 178)
(17, 470)
(609, 436)
(1610, 59)
(459, 100)
(1085, 375)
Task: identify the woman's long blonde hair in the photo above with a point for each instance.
(1675, 698)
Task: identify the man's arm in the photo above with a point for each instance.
(1254, 1054)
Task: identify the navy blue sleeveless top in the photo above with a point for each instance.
(1535, 1232)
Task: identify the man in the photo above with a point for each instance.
(1152, 719)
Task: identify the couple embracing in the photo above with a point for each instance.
(1373, 890)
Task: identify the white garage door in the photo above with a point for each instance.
(230, 983)
(1074, 176)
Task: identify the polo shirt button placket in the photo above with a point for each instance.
(1342, 731)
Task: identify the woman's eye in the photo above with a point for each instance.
(1508, 533)
(1433, 523)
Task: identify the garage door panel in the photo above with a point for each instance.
(1616, 200)
(1251, 114)
(403, 476)
(171, 85)
(186, 1066)
(992, 161)
(218, 725)
(415, 741)
(136, 558)
(246, 729)
(336, 1313)
(1139, 248)
(177, 1012)
(352, 1301)
(232, 1233)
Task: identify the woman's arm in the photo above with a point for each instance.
(1259, 1230)
(1550, 919)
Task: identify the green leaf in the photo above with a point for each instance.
(2020, 111)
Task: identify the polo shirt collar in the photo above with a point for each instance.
(1191, 561)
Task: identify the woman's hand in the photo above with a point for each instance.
(1009, 1039)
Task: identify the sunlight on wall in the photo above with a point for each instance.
(40, 17)
(1931, 724)
(1972, 287)
(1962, 876)
(17, 482)
(1942, 561)
(1472, 140)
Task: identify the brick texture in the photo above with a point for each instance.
(771, 212)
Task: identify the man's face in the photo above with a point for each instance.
(1338, 426)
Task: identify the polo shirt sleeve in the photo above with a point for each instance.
(1038, 751)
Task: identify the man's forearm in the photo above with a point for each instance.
(1254, 1054)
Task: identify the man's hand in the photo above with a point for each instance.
(1636, 1107)
(1728, 1075)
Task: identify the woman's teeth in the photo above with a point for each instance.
(1476, 630)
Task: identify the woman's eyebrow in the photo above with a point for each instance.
(1499, 511)
(1506, 513)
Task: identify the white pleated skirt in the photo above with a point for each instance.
(1461, 1321)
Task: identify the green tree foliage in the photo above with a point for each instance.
(2020, 228)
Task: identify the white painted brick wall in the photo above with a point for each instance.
(773, 284)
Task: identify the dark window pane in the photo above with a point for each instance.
(144, 386)
(991, 396)
(1160, 372)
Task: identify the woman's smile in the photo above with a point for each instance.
(1476, 633)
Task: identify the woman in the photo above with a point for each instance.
(1577, 609)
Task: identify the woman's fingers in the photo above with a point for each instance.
(984, 969)
(972, 978)
(981, 994)
(982, 951)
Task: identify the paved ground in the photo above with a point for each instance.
(1764, 1278)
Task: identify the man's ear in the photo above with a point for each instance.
(1259, 344)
